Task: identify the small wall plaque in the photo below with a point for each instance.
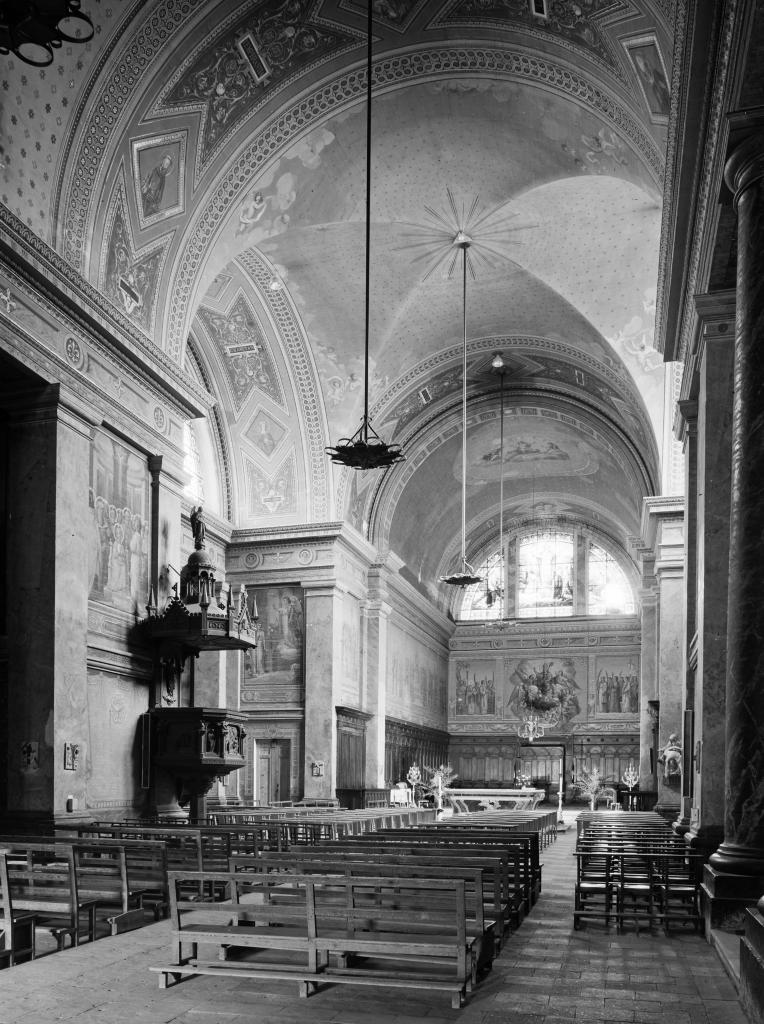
(71, 757)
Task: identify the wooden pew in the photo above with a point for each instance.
(527, 842)
(17, 929)
(485, 929)
(312, 928)
(504, 898)
(42, 880)
(520, 880)
(146, 868)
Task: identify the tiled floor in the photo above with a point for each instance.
(547, 973)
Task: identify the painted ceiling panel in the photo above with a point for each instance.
(204, 164)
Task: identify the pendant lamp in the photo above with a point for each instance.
(31, 31)
(467, 575)
(366, 449)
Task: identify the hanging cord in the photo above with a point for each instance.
(368, 223)
(464, 407)
(501, 503)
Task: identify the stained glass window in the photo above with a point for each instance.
(545, 577)
(609, 592)
(483, 600)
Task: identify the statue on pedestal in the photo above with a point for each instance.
(197, 527)
(671, 757)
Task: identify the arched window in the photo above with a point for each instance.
(483, 600)
(545, 575)
(608, 590)
(551, 572)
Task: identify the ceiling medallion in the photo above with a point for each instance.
(32, 31)
(366, 449)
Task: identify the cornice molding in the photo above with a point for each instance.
(64, 290)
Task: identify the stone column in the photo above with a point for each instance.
(688, 432)
(648, 684)
(714, 373)
(742, 852)
(320, 689)
(663, 551)
(377, 618)
(48, 557)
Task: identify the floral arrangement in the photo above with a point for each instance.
(438, 779)
(589, 784)
(522, 780)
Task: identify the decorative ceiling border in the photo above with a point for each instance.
(162, 108)
(413, 379)
(289, 331)
(331, 98)
(382, 500)
(104, 116)
(444, 20)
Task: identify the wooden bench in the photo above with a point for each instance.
(418, 842)
(370, 930)
(504, 899)
(486, 930)
(17, 929)
(42, 880)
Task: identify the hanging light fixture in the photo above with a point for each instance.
(467, 575)
(499, 366)
(32, 31)
(531, 728)
(366, 449)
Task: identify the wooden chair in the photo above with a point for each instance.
(595, 890)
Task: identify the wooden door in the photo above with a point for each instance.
(273, 757)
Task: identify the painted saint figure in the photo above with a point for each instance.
(152, 186)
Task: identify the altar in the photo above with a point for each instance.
(465, 800)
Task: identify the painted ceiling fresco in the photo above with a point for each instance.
(203, 165)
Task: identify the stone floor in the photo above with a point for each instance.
(546, 974)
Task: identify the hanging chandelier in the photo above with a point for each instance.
(531, 728)
(32, 31)
(366, 449)
(466, 575)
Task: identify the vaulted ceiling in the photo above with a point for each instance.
(203, 165)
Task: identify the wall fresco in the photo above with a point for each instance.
(119, 524)
(650, 72)
(131, 280)
(159, 172)
(278, 658)
(615, 687)
(416, 680)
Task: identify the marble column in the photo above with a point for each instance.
(321, 613)
(742, 851)
(712, 494)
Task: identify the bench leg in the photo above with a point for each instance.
(458, 999)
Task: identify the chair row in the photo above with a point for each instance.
(632, 869)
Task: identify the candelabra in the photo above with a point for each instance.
(631, 776)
